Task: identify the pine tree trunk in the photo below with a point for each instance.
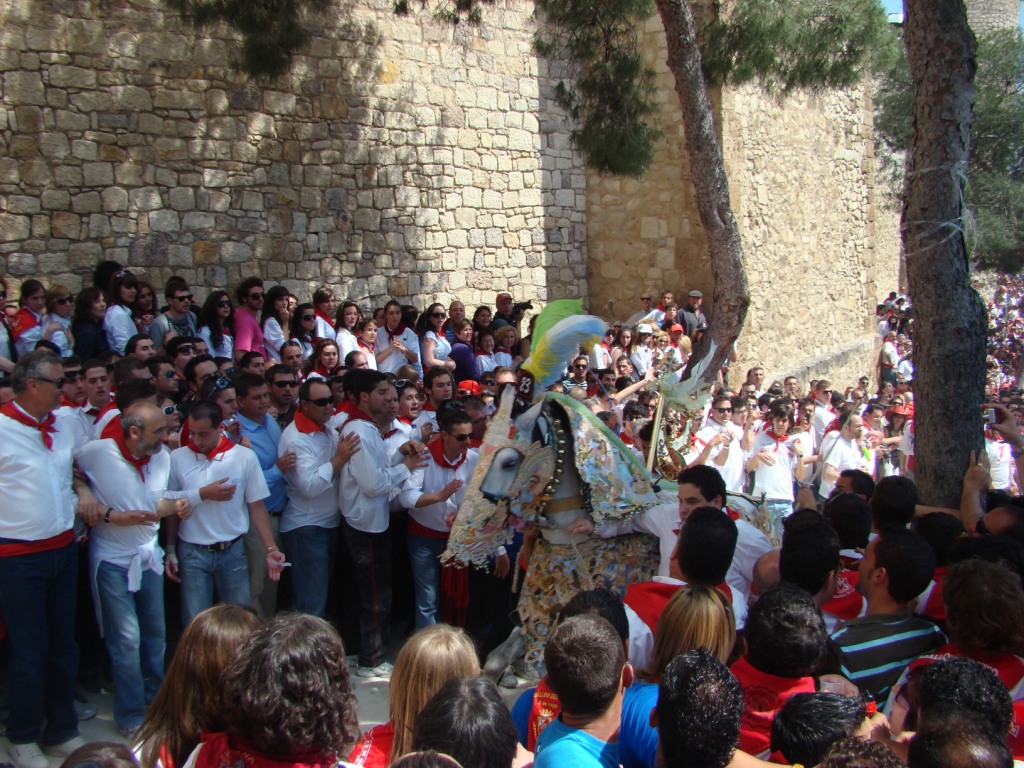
(711, 187)
(949, 326)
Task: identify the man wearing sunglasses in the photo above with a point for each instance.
(432, 494)
(177, 319)
(248, 335)
(718, 444)
(284, 390)
(310, 519)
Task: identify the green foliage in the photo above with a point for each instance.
(995, 176)
(271, 30)
(454, 12)
(612, 96)
(790, 44)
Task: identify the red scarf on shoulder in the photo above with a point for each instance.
(223, 446)
(44, 425)
(221, 749)
(131, 458)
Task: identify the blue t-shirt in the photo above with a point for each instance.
(638, 741)
(560, 746)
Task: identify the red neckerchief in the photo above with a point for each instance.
(989, 433)
(111, 429)
(65, 402)
(481, 353)
(24, 320)
(131, 458)
(322, 371)
(356, 414)
(405, 420)
(111, 406)
(397, 333)
(221, 749)
(437, 451)
(544, 709)
(428, 406)
(223, 446)
(345, 406)
(324, 317)
(778, 439)
(364, 346)
(44, 425)
(506, 350)
(90, 410)
(306, 425)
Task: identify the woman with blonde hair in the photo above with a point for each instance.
(430, 658)
(189, 702)
(695, 617)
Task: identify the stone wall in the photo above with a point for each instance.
(399, 157)
(819, 249)
(803, 188)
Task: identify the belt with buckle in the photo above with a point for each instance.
(220, 546)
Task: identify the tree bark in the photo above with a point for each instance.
(725, 247)
(949, 324)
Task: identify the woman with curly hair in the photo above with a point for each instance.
(190, 702)
(288, 700)
(429, 659)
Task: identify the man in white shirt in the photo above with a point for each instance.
(727, 457)
(224, 484)
(310, 519)
(396, 345)
(841, 450)
(367, 481)
(128, 473)
(824, 414)
(432, 494)
(888, 359)
(438, 384)
(643, 313)
(38, 564)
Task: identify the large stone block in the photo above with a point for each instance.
(86, 36)
(14, 227)
(24, 88)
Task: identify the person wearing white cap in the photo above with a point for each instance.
(641, 353)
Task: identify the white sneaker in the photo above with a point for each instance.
(27, 756)
(66, 748)
(382, 671)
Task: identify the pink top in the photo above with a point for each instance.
(248, 336)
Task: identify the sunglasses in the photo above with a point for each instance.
(306, 318)
(186, 297)
(322, 402)
(487, 382)
(224, 303)
(255, 296)
(286, 383)
(221, 382)
(581, 367)
(65, 300)
(460, 438)
(438, 315)
(72, 376)
(401, 384)
(186, 349)
(58, 383)
(723, 410)
(170, 410)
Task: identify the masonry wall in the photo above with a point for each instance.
(819, 249)
(400, 156)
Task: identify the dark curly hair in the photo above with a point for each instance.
(785, 633)
(288, 689)
(854, 752)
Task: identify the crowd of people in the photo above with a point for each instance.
(189, 457)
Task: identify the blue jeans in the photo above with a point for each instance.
(311, 550)
(205, 574)
(779, 509)
(425, 558)
(37, 601)
(133, 628)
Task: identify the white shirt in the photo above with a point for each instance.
(37, 501)
(227, 343)
(1000, 463)
(368, 479)
(441, 346)
(733, 471)
(430, 479)
(213, 522)
(60, 338)
(775, 481)
(118, 484)
(642, 357)
(843, 454)
(425, 417)
(397, 359)
(119, 326)
(323, 329)
(485, 364)
(102, 421)
(312, 497)
(273, 338)
(823, 416)
(600, 357)
(347, 342)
